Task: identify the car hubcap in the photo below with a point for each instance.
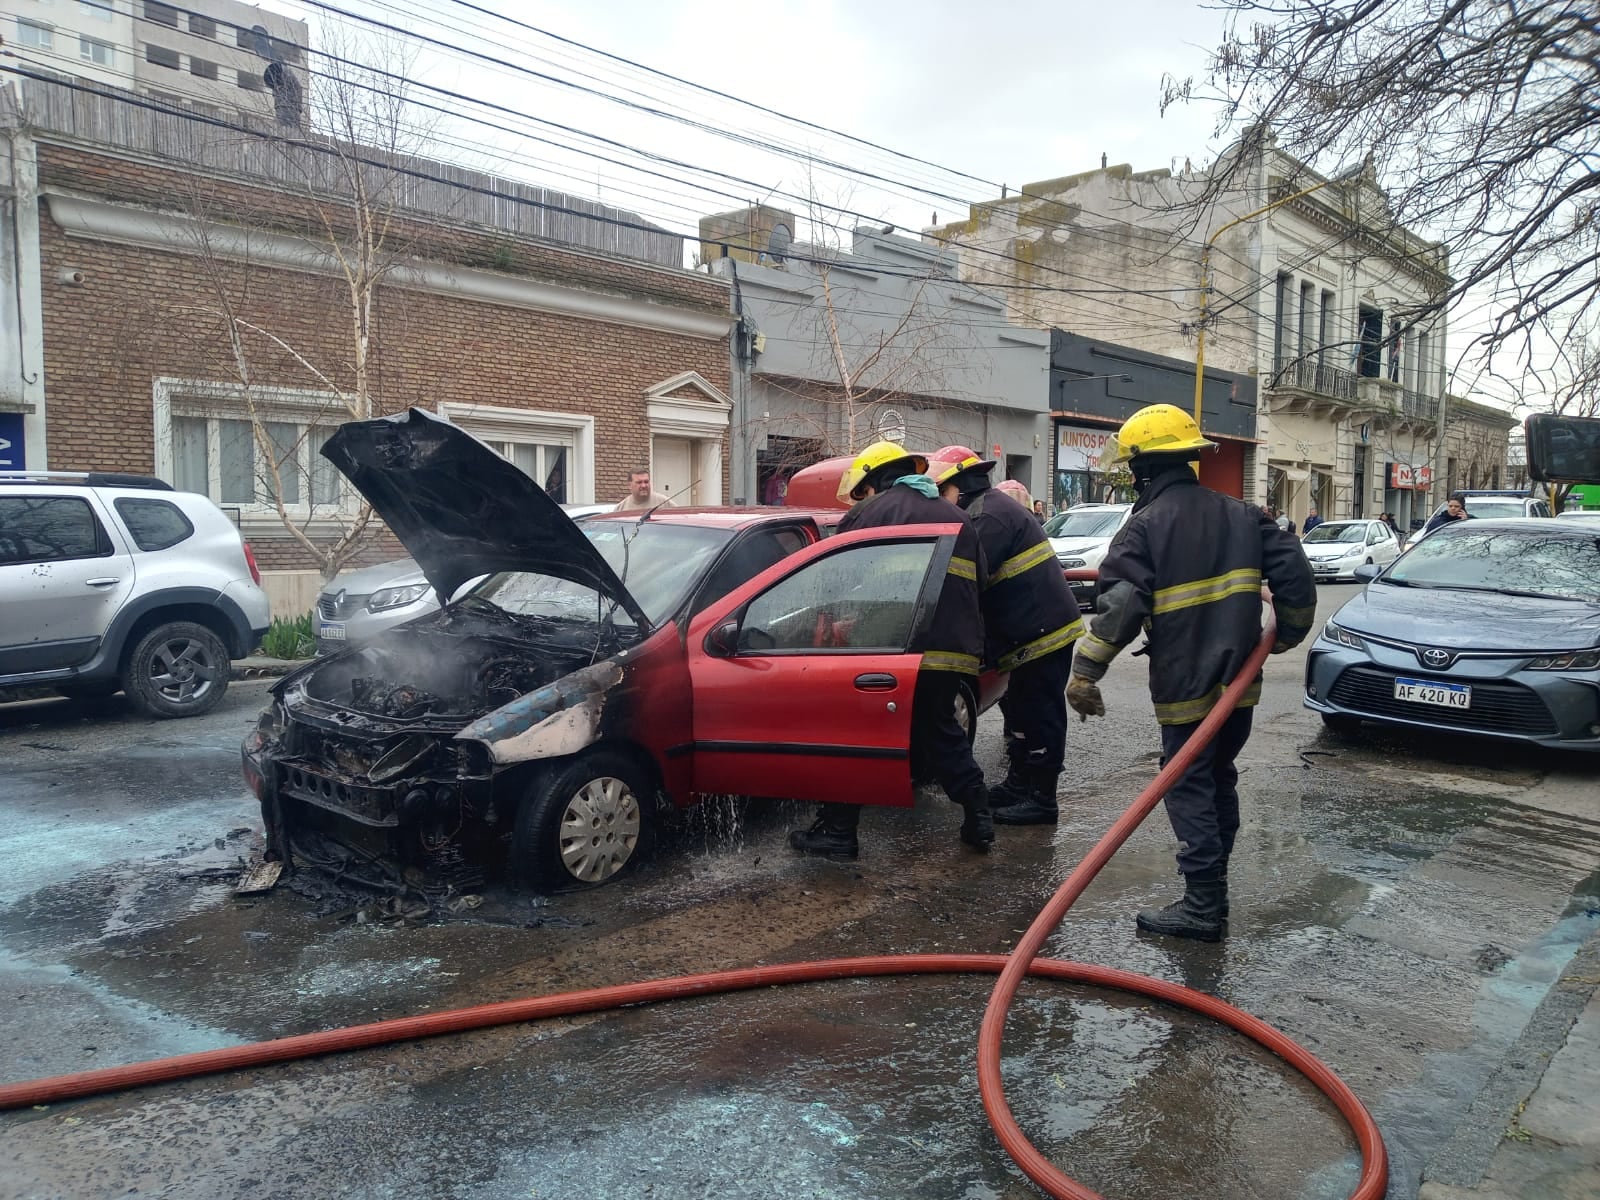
(182, 671)
(599, 829)
(964, 713)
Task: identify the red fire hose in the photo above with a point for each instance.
(1011, 968)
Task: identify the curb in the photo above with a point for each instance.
(257, 667)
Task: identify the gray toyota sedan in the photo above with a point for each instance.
(1487, 627)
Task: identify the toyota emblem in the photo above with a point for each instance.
(1437, 659)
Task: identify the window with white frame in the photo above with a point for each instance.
(96, 10)
(35, 35)
(102, 54)
(555, 449)
(207, 442)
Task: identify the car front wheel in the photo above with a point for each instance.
(583, 823)
(177, 670)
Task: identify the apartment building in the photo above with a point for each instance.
(1308, 278)
(215, 57)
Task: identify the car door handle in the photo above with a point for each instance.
(876, 681)
(109, 581)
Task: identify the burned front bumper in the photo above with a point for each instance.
(364, 786)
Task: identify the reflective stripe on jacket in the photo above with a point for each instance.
(1187, 570)
(955, 639)
(1028, 609)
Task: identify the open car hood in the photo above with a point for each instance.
(461, 510)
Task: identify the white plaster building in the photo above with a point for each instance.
(1303, 298)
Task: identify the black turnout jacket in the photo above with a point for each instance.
(1187, 569)
(1028, 609)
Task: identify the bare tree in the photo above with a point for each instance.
(1479, 114)
(1569, 387)
(342, 186)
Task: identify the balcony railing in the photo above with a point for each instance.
(1311, 376)
(1419, 407)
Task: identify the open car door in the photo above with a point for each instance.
(803, 678)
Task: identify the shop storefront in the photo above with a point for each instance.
(1095, 386)
(1405, 493)
(1078, 478)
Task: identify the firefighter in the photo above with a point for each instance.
(1030, 621)
(1187, 569)
(890, 485)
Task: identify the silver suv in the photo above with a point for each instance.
(118, 583)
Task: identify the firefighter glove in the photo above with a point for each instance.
(1084, 696)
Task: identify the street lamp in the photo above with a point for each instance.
(1205, 268)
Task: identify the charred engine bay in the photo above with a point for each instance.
(470, 662)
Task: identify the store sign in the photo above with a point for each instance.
(1078, 447)
(12, 446)
(1409, 478)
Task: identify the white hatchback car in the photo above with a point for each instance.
(1336, 548)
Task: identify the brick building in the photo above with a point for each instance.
(577, 361)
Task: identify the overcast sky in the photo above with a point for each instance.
(1011, 92)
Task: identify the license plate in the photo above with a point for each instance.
(1424, 691)
(332, 633)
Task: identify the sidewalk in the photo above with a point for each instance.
(1550, 1149)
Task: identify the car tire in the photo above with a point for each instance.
(180, 669)
(1340, 723)
(583, 823)
(967, 712)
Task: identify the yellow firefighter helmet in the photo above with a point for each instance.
(1156, 429)
(879, 454)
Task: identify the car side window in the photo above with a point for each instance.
(37, 529)
(746, 559)
(862, 598)
(154, 524)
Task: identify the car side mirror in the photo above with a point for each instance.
(723, 640)
(1367, 572)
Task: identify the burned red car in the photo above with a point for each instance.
(595, 669)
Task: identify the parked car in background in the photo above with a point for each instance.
(1491, 505)
(1080, 538)
(595, 665)
(1336, 548)
(1487, 627)
(118, 583)
(363, 602)
(1586, 516)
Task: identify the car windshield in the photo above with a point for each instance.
(658, 562)
(1094, 522)
(1338, 531)
(1487, 507)
(1564, 566)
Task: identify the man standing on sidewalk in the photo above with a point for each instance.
(1187, 570)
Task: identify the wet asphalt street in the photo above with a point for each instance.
(1401, 905)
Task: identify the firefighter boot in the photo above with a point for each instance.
(1037, 803)
(832, 834)
(1014, 790)
(977, 826)
(1197, 915)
